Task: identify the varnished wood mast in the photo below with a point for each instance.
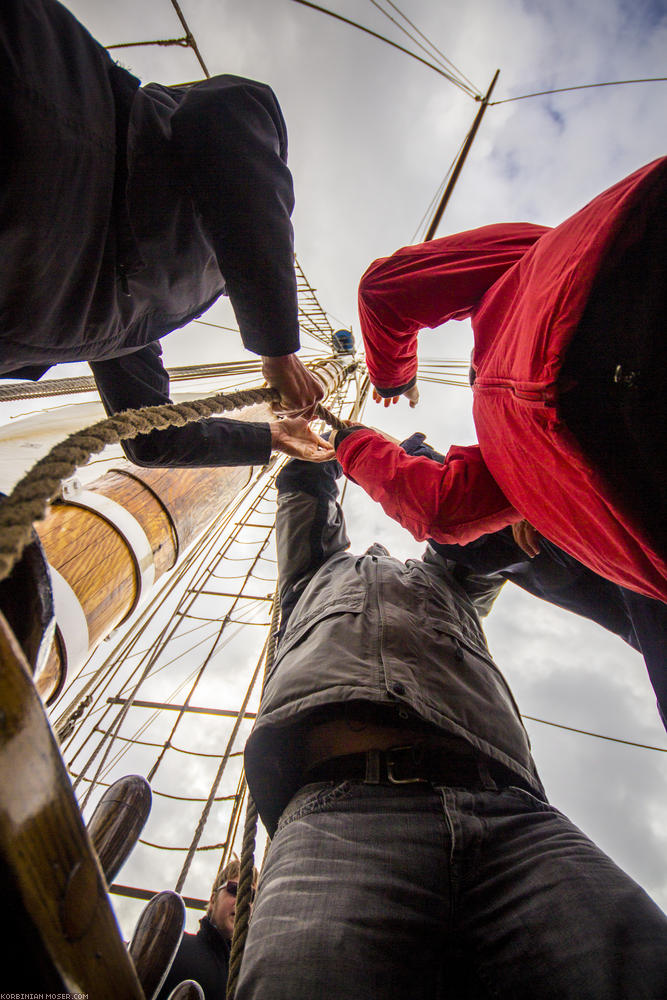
(107, 544)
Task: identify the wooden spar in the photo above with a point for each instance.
(107, 544)
(458, 166)
(62, 936)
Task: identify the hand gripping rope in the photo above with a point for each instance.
(28, 501)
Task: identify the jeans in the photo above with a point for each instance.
(373, 892)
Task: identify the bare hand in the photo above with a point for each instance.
(527, 538)
(411, 394)
(294, 437)
(299, 389)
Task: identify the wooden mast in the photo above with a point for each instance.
(458, 166)
(109, 543)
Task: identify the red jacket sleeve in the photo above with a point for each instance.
(453, 503)
(426, 285)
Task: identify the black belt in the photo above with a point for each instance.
(413, 764)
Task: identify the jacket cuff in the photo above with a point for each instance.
(398, 390)
(344, 433)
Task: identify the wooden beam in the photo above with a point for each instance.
(169, 706)
(53, 887)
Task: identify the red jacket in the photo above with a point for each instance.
(524, 287)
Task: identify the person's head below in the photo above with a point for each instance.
(221, 909)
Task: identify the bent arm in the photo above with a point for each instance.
(232, 140)
(454, 502)
(424, 286)
(140, 379)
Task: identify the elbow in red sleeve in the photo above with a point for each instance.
(453, 503)
(390, 343)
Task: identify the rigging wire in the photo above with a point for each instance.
(471, 89)
(218, 326)
(152, 743)
(255, 505)
(217, 648)
(434, 47)
(192, 42)
(203, 819)
(192, 563)
(213, 652)
(183, 42)
(436, 197)
(186, 41)
(354, 24)
(599, 736)
(164, 847)
(582, 86)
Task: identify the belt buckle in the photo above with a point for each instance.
(392, 762)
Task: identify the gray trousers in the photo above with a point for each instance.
(383, 893)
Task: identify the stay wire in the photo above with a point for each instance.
(599, 736)
(395, 45)
(582, 86)
(436, 197)
(463, 83)
(434, 47)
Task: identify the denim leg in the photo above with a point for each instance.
(353, 898)
(375, 893)
(544, 913)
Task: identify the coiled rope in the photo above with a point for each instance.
(28, 501)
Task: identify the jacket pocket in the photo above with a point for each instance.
(313, 798)
(535, 803)
(327, 605)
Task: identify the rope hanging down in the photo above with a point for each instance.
(242, 919)
(28, 501)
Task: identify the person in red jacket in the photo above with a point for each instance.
(568, 372)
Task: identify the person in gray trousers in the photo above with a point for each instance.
(414, 852)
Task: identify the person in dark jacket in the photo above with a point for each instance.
(125, 212)
(541, 568)
(204, 956)
(414, 854)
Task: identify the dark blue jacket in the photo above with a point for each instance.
(204, 957)
(126, 211)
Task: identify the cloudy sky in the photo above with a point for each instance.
(372, 133)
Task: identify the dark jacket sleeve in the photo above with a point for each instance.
(310, 526)
(232, 140)
(140, 379)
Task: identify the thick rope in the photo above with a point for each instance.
(28, 501)
(242, 917)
